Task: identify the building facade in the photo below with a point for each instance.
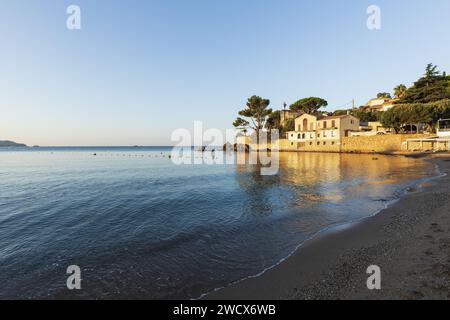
(371, 128)
(443, 130)
(314, 133)
(286, 115)
(379, 105)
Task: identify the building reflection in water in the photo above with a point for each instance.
(321, 187)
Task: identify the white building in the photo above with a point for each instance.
(379, 104)
(443, 130)
(310, 128)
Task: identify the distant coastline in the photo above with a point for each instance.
(7, 143)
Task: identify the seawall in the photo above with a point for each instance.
(359, 144)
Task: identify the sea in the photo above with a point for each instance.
(140, 226)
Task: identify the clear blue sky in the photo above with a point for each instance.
(139, 69)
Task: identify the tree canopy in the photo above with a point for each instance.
(412, 114)
(360, 113)
(425, 102)
(386, 95)
(274, 120)
(289, 125)
(400, 91)
(255, 115)
(432, 86)
(308, 105)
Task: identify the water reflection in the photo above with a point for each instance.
(257, 187)
(144, 227)
(326, 183)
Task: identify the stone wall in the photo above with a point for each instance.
(380, 143)
(364, 144)
(372, 144)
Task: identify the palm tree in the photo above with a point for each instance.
(400, 91)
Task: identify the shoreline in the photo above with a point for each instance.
(409, 240)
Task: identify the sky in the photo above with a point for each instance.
(139, 69)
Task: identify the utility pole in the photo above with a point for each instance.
(283, 117)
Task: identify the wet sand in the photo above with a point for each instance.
(409, 241)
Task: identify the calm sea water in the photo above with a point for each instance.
(141, 227)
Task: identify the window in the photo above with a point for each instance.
(299, 136)
(292, 135)
(332, 143)
(324, 143)
(292, 143)
(318, 135)
(444, 125)
(310, 143)
(325, 134)
(303, 136)
(311, 136)
(324, 124)
(333, 123)
(333, 134)
(305, 124)
(318, 143)
(352, 122)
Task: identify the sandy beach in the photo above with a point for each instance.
(409, 241)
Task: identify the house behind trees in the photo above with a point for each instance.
(379, 105)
